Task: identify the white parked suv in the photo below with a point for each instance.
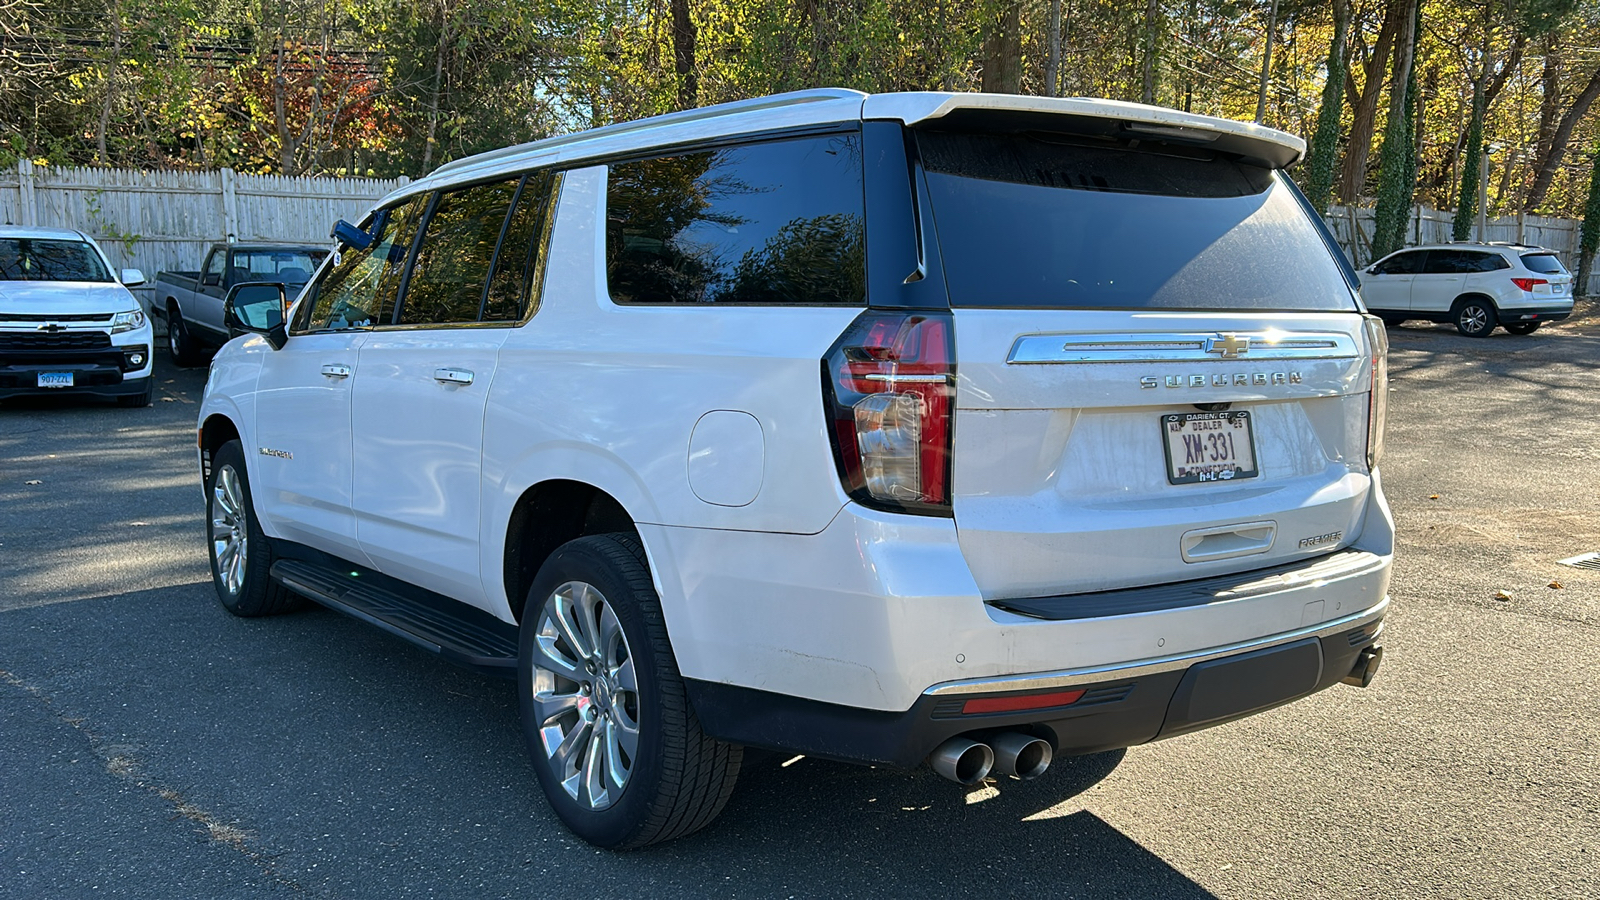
(67, 325)
(1475, 286)
(956, 428)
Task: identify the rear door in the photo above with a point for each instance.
(420, 395)
(1161, 365)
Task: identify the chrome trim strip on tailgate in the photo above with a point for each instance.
(1047, 349)
(1156, 665)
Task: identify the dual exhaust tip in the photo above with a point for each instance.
(967, 761)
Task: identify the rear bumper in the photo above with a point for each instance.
(1547, 313)
(1119, 706)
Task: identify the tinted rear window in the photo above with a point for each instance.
(1543, 263)
(1028, 220)
(771, 223)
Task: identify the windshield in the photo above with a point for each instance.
(48, 259)
(1050, 221)
(289, 266)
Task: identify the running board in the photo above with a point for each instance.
(460, 633)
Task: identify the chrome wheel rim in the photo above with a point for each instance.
(229, 539)
(172, 337)
(1473, 318)
(585, 695)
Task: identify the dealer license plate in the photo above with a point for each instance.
(1208, 446)
(55, 379)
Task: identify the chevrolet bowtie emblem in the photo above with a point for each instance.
(1231, 346)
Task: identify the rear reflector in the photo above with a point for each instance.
(1020, 702)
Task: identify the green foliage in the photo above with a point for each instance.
(1397, 172)
(1325, 144)
(1589, 233)
(1471, 173)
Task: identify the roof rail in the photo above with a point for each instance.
(776, 101)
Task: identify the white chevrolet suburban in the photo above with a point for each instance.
(949, 428)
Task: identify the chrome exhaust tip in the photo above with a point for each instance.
(962, 760)
(1366, 667)
(1021, 755)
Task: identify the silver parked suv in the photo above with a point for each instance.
(950, 428)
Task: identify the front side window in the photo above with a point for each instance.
(758, 224)
(1403, 263)
(360, 291)
(453, 259)
(43, 259)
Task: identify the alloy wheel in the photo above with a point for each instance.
(229, 533)
(585, 695)
(1474, 319)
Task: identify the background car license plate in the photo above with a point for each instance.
(1208, 446)
(55, 379)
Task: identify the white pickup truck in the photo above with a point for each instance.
(67, 323)
(191, 302)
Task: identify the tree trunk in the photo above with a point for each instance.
(1002, 51)
(1550, 157)
(102, 156)
(1266, 64)
(1364, 103)
(1397, 171)
(1152, 13)
(438, 90)
(683, 52)
(1052, 68)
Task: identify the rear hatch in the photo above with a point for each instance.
(1163, 369)
(1554, 281)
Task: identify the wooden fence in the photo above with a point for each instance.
(157, 221)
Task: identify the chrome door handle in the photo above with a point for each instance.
(452, 376)
(336, 371)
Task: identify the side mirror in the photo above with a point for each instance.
(211, 279)
(1372, 270)
(132, 278)
(257, 307)
(350, 236)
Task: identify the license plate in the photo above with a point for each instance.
(1208, 446)
(55, 379)
(1561, 288)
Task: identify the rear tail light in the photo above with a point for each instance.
(1378, 400)
(889, 386)
(1528, 283)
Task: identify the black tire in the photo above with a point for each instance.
(180, 343)
(678, 779)
(142, 398)
(1475, 317)
(1523, 327)
(255, 594)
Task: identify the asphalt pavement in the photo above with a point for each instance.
(151, 745)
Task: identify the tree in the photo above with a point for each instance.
(1325, 143)
(1589, 234)
(1467, 204)
(1397, 164)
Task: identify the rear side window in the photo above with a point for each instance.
(1543, 263)
(1051, 221)
(778, 223)
(519, 265)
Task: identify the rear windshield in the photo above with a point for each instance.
(1043, 221)
(291, 266)
(1543, 263)
(42, 259)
